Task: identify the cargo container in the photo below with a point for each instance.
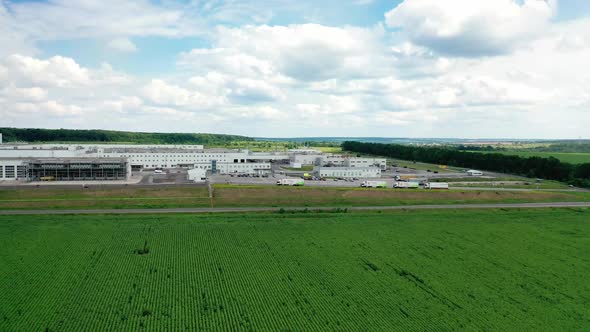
(291, 182)
(436, 185)
(374, 184)
(407, 185)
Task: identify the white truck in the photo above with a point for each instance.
(374, 184)
(406, 185)
(291, 182)
(436, 185)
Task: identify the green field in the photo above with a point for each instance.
(567, 157)
(265, 196)
(494, 270)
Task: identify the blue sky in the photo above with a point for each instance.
(417, 68)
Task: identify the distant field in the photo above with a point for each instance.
(572, 158)
(104, 198)
(421, 166)
(232, 195)
(267, 196)
(514, 270)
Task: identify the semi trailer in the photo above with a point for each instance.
(374, 184)
(436, 185)
(406, 185)
(291, 182)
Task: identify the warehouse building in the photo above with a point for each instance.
(366, 162)
(348, 172)
(82, 169)
(60, 169)
(257, 168)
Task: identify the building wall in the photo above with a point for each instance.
(305, 159)
(13, 169)
(197, 175)
(366, 162)
(349, 172)
(236, 168)
(87, 147)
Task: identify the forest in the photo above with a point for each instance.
(107, 136)
(534, 167)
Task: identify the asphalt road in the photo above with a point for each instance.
(271, 209)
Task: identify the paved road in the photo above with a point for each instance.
(271, 209)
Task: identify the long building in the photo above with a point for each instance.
(107, 161)
(138, 157)
(348, 172)
(337, 160)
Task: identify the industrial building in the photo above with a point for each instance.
(69, 162)
(337, 160)
(218, 161)
(348, 172)
(58, 169)
(80, 169)
(366, 162)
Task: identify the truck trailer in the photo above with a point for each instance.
(374, 184)
(436, 185)
(291, 182)
(406, 185)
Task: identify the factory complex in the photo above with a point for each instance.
(113, 162)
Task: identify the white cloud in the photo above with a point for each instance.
(472, 28)
(63, 19)
(57, 70)
(24, 94)
(48, 108)
(163, 93)
(307, 52)
(122, 45)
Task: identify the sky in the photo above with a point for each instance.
(278, 68)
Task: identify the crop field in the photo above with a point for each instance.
(256, 195)
(567, 157)
(500, 270)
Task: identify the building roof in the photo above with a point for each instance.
(75, 160)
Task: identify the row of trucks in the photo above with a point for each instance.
(374, 184)
(416, 185)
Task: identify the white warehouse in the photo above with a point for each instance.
(366, 162)
(349, 172)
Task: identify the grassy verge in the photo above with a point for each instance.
(253, 195)
(500, 185)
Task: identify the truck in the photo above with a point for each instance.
(436, 185)
(291, 182)
(406, 185)
(405, 178)
(374, 184)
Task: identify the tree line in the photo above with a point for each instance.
(534, 167)
(108, 136)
